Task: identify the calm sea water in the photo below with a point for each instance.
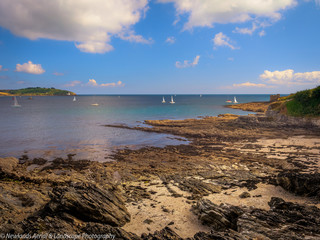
(55, 126)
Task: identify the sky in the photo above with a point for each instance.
(161, 46)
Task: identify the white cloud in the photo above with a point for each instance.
(72, 84)
(220, 40)
(93, 83)
(132, 37)
(206, 13)
(288, 77)
(90, 24)
(246, 30)
(117, 84)
(171, 40)
(94, 47)
(3, 69)
(186, 63)
(29, 67)
(262, 33)
(249, 84)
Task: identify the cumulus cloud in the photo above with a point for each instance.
(93, 83)
(3, 69)
(206, 13)
(90, 24)
(249, 84)
(29, 67)
(289, 77)
(72, 84)
(171, 40)
(187, 64)
(221, 40)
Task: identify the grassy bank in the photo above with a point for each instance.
(304, 103)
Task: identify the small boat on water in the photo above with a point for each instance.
(235, 100)
(74, 99)
(15, 102)
(163, 100)
(30, 98)
(95, 104)
(172, 102)
(229, 101)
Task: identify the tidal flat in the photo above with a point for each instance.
(239, 177)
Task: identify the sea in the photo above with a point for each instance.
(55, 126)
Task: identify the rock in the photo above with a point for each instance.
(285, 220)
(164, 234)
(148, 221)
(7, 164)
(244, 195)
(218, 217)
(107, 232)
(226, 235)
(89, 203)
(300, 184)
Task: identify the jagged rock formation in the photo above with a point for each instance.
(301, 184)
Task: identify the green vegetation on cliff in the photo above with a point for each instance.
(37, 91)
(303, 103)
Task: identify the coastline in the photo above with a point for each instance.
(246, 163)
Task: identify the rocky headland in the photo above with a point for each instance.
(240, 177)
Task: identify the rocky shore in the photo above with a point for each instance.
(240, 177)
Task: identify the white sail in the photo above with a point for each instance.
(74, 99)
(172, 102)
(163, 100)
(15, 102)
(235, 100)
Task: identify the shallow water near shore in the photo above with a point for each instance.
(49, 126)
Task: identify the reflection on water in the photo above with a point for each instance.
(55, 126)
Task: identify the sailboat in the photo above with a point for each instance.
(172, 102)
(74, 99)
(235, 100)
(15, 102)
(163, 100)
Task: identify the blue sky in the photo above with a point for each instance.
(163, 46)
